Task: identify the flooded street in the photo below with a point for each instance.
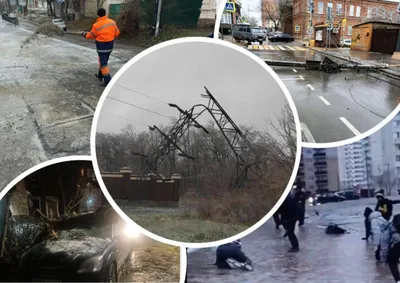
(322, 258)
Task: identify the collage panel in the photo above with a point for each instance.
(346, 205)
(203, 154)
(57, 226)
(53, 72)
(340, 62)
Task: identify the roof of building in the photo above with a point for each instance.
(376, 22)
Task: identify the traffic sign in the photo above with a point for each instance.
(297, 28)
(230, 7)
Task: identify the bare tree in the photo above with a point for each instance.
(382, 14)
(253, 21)
(387, 180)
(276, 11)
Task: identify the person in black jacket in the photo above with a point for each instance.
(384, 205)
(277, 219)
(231, 256)
(290, 212)
(367, 213)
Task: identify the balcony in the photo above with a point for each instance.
(320, 163)
(301, 164)
(300, 174)
(321, 182)
(320, 154)
(318, 173)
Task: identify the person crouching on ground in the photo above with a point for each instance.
(367, 224)
(378, 225)
(231, 256)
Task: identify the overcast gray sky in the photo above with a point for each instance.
(178, 73)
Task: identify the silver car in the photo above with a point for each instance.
(244, 32)
(60, 24)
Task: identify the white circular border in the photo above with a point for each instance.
(192, 40)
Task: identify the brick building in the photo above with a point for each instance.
(355, 12)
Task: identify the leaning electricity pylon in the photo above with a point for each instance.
(169, 142)
(237, 141)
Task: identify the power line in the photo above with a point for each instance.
(130, 120)
(141, 108)
(141, 93)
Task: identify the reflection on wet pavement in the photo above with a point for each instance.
(323, 258)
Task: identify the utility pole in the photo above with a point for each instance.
(158, 17)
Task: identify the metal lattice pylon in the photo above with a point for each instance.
(235, 138)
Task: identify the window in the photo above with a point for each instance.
(311, 188)
(312, 178)
(309, 151)
(339, 8)
(396, 135)
(226, 18)
(310, 160)
(369, 13)
(358, 11)
(310, 169)
(397, 158)
(349, 30)
(351, 10)
(397, 123)
(320, 8)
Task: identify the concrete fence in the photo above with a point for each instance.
(123, 185)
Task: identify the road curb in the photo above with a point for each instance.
(386, 72)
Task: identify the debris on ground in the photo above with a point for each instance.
(49, 29)
(155, 263)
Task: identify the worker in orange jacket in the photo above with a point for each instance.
(104, 31)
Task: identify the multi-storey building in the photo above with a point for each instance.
(354, 11)
(319, 169)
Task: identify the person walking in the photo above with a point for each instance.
(378, 225)
(290, 212)
(104, 31)
(300, 197)
(367, 224)
(384, 205)
(392, 240)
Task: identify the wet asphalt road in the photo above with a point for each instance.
(323, 258)
(48, 96)
(334, 107)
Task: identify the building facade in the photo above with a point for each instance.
(319, 169)
(354, 11)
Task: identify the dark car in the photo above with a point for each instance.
(91, 254)
(281, 38)
(349, 194)
(330, 198)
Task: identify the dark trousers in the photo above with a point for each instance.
(302, 214)
(277, 220)
(393, 260)
(290, 225)
(234, 253)
(367, 228)
(104, 72)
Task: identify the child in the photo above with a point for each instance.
(378, 225)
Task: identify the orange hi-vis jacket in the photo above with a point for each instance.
(103, 30)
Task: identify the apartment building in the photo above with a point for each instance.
(354, 11)
(319, 169)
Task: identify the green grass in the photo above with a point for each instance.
(185, 227)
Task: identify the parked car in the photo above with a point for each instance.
(93, 253)
(244, 32)
(281, 37)
(349, 194)
(60, 24)
(330, 198)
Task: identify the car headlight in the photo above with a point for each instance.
(310, 200)
(91, 265)
(131, 231)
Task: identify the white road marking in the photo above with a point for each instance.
(306, 134)
(324, 100)
(290, 48)
(310, 87)
(281, 48)
(350, 126)
(261, 47)
(301, 78)
(294, 70)
(250, 47)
